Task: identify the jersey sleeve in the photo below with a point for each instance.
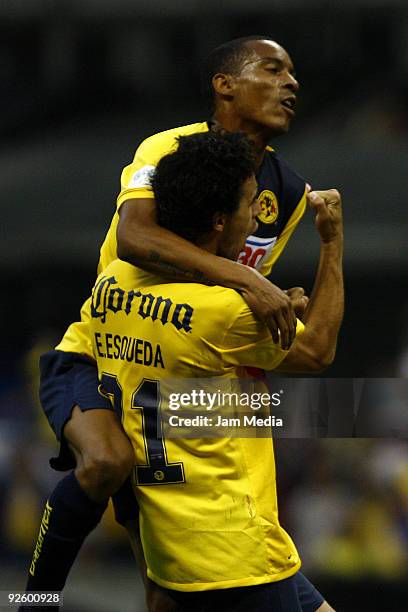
(77, 338)
(248, 342)
(136, 177)
(283, 239)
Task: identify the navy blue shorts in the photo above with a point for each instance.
(66, 380)
(294, 594)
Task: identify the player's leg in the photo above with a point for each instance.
(310, 598)
(103, 458)
(103, 453)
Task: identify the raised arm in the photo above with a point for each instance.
(145, 244)
(315, 349)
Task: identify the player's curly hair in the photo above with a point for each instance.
(228, 59)
(202, 177)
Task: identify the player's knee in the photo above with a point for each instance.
(103, 471)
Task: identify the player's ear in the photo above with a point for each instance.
(223, 84)
(219, 222)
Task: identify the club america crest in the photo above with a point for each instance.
(269, 204)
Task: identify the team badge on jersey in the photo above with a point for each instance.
(269, 204)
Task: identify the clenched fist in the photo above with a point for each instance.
(329, 217)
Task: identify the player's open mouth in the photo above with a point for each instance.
(289, 105)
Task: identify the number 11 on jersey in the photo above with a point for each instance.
(146, 398)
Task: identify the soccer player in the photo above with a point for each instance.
(208, 510)
(253, 89)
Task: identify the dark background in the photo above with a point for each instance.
(83, 82)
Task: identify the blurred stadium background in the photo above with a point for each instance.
(83, 82)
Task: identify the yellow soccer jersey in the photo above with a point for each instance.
(209, 515)
(280, 190)
(135, 179)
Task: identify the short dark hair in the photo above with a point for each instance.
(203, 176)
(226, 58)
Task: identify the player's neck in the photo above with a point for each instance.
(208, 242)
(258, 136)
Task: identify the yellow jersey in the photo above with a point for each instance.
(281, 193)
(208, 506)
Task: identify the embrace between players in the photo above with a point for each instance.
(196, 204)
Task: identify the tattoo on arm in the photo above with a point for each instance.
(154, 256)
(174, 270)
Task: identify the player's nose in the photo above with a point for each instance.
(291, 83)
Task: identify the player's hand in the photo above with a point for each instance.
(273, 306)
(299, 300)
(329, 217)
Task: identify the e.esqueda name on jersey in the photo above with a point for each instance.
(107, 296)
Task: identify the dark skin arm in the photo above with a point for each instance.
(143, 243)
(314, 350)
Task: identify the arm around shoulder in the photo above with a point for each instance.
(137, 222)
